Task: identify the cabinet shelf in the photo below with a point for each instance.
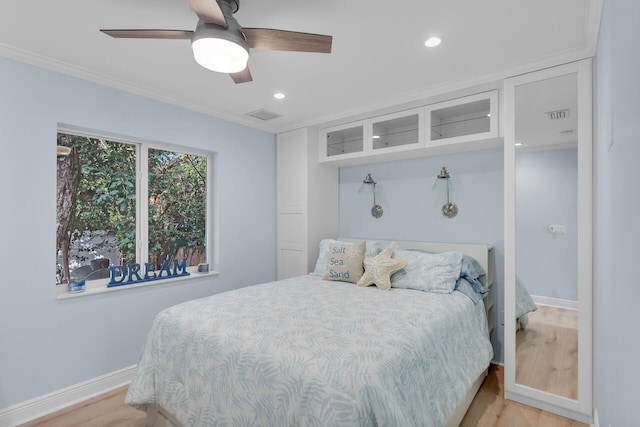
(395, 138)
(481, 123)
(462, 117)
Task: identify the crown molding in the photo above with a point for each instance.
(489, 80)
(481, 82)
(61, 67)
(454, 88)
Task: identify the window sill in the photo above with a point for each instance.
(100, 286)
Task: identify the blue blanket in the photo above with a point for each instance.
(309, 352)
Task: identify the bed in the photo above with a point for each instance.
(307, 351)
(524, 305)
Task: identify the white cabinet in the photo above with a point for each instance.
(528, 99)
(471, 118)
(462, 124)
(391, 133)
(343, 142)
(397, 132)
(307, 202)
(489, 298)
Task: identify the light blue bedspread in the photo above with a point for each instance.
(308, 352)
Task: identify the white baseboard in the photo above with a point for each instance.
(51, 402)
(555, 302)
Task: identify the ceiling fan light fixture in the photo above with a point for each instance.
(219, 49)
(220, 55)
(433, 42)
(220, 44)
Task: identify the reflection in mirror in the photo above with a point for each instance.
(546, 130)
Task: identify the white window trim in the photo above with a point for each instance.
(99, 286)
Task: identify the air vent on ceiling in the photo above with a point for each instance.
(263, 114)
(558, 114)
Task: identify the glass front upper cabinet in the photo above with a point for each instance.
(464, 119)
(385, 134)
(458, 123)
(345, 141)
(395, 132)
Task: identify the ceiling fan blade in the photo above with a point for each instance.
(270, 39)
(149, 34)
(209, 11)
(243, 76)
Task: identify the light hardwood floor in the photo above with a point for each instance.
(547, 351)
(488, 409)
(106, 410)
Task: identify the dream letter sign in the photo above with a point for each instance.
(132, 273)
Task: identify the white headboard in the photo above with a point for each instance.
(482, 253)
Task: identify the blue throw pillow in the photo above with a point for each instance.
(428, 272)
(471, 268)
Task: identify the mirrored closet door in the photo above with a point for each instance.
(548, 239)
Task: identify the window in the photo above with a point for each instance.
(177, 206)
(129, 208)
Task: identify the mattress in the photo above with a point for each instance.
(309, 352)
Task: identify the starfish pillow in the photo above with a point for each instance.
(378, 269)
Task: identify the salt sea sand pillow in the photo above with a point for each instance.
(428, 272)
(373, 248)
(344, 262)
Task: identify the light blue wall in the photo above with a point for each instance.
(617, 214)
(46, 344)
(412, 209)
(546, 194)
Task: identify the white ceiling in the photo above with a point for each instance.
(378, 60)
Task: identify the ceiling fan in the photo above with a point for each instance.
(220, 44)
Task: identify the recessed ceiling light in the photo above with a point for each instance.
(279, 95)
(376, 136)
(432, 42)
